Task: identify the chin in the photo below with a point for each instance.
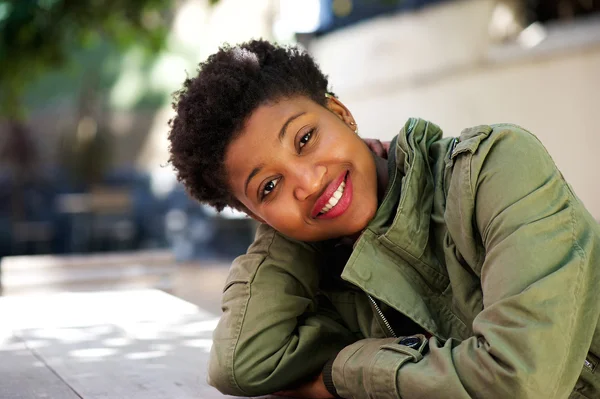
(365, 217)
(357, 227)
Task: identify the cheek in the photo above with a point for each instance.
(282, 215)
(366, 189)
(337, 148)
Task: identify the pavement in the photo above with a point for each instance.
(201, 283)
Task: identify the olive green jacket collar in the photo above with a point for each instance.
(409, 199)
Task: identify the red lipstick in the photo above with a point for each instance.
(342, 204)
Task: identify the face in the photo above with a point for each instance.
(301, 168)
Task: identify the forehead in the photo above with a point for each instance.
(258, 141)
(274, 114)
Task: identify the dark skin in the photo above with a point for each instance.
(285, 161)
(316, 389)
(288, 161)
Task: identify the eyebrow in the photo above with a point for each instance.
(250, 176)
(282, 133)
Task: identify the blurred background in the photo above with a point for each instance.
(87, 199)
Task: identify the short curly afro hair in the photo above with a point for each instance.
(212, 108)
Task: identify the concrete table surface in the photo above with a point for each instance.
(142, 344)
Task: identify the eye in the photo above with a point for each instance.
(269, 187)
(306, 138)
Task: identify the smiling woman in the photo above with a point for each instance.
(299, 167)
(213, 108)
(455, 268)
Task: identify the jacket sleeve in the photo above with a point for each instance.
(276, 330)
(539, 276)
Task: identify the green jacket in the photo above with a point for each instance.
(479, 245)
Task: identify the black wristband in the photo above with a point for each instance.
(328, 378)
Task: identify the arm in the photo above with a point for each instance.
(273, 333)
(539, 279)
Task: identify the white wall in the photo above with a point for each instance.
(439, 64)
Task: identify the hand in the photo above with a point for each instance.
(379, 148)
(314, 389)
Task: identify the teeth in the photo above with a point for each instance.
(334, 198)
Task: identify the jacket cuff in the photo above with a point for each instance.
(328, 378)
(369, 367)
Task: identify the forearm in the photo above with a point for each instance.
(275, 331)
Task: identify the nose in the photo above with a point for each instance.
(308, 180)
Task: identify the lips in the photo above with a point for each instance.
(340, 205)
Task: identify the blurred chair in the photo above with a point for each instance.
(32, 237)
(111, 219)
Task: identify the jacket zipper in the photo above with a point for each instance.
(387, 325)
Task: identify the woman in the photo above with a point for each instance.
(456, 268)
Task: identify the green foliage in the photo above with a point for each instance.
(38, 35)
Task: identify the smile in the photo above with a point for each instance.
(336, 198)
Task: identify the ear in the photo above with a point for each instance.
(339, 109)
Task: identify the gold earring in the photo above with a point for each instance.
(356, 127)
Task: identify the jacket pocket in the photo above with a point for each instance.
(470, 139)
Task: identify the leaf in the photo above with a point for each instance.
(37, 35)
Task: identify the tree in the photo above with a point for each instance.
(38, 35)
